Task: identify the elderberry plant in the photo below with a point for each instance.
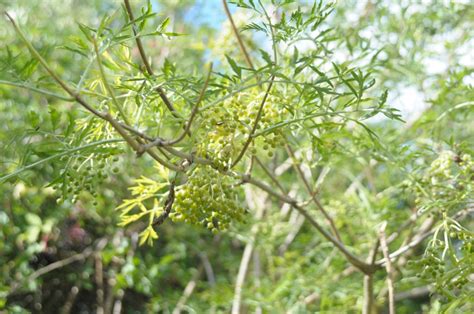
(205, 130)
(278, 110)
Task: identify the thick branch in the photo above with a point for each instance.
(389, 268)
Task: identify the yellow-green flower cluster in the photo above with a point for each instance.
(207, 199)
(226, 128)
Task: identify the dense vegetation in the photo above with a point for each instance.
(259, 156)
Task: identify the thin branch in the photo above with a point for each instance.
(424, 232)
(255, 125)
(167, 207)
(99, 281)
(119, 127)
(130, 140)
(351, 258)
(270, 175)
(144, 58)
(188, 290)
(106, 83)
(257, 267)
(195, 108)
(71, 298)
(36, 90)
(389, 268)
(194, 111)
(137, 38)
(237, 35)
(312, 193)
(50, 158)
(247, 254)
(45, 65)
(64, 262)
(211, 277)
(239, 281)
(165, 163)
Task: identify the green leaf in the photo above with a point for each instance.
(234, 66)
(266, 56)
(34, 119)
(163, 25)
(55, 117)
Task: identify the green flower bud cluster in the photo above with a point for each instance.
(441, 166)
(466, 166)
(448, 165)
(459, 283)
(443, 269)
(432, 266)
(85, 174)
(226, 128)
(448, 178)
(207, 199)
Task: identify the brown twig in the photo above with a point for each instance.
(144, 58)
(237, 35)
(423, 233)
(312, 193)
(364, 267)
(255, 124)
(167, 207)
(119, 127)
(270, 175)
(187, 128)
